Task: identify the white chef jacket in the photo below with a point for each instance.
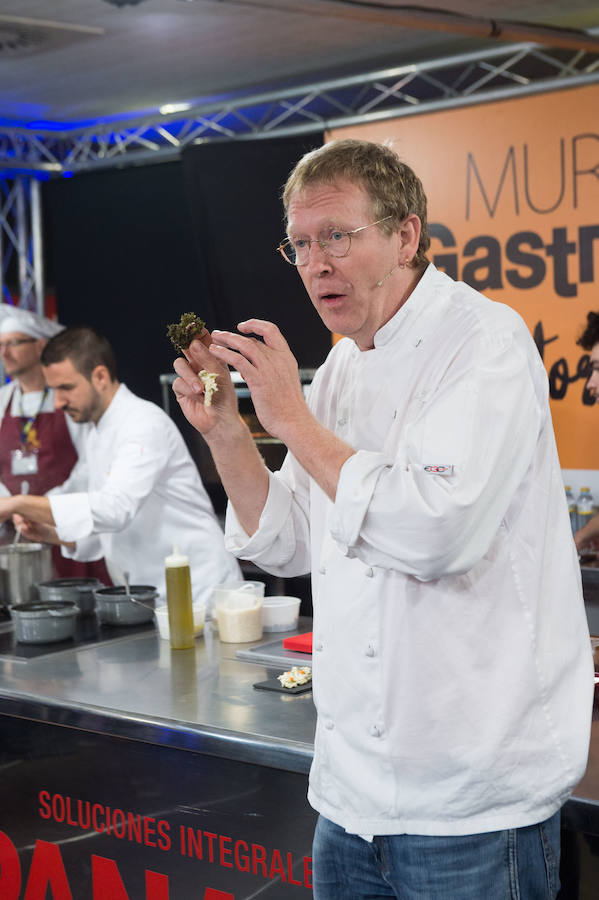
(451, 656)
(144, 496)
(28, 404)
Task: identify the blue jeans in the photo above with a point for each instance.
(517, 864)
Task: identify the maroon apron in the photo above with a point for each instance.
(56, 457)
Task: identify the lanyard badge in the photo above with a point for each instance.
(24, 461)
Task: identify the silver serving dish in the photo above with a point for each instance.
(77, 590)
(114, 606)
(44, 623)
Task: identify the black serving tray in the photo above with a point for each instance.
(273, 684)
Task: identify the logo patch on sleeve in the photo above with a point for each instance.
(439, 469)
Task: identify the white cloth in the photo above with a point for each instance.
(14, 318)
(28, 404)
(452, 664)
(144, 496)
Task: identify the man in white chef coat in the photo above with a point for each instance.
(452, 669)
(41, 449)
(144, 493)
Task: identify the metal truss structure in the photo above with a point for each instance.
(21, 241)
(502, 72)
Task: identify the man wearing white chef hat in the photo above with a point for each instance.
(39, 446)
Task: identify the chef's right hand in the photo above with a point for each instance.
(36, 531)
(222, 414)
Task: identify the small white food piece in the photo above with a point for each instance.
(208, 379)
(297, 675)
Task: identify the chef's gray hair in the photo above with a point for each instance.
(84, 346)
(395, 191)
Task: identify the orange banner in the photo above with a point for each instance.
(513, 191)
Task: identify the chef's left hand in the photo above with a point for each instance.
(269, 369)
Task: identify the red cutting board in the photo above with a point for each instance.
(302, 643)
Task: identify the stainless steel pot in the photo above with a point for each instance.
(22, 567)
(44, 623)
(77, 590)
(115, 607)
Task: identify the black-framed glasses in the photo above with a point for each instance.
(16, 342)
(335, 242)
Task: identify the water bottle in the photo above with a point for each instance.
(572, 509)
(584, 507)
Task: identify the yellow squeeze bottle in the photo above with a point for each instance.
(178, 601)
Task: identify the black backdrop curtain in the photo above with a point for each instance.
(123, 260)
(131, 249)
(234, 194)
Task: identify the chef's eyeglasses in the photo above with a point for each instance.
(16, 342)
(334, 243)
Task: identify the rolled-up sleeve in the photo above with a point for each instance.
(86, 550)
(72, 515)
(281, 545)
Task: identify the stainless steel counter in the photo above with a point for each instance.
(201, 699)
(161, 702)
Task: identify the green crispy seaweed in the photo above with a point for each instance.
(183, 332)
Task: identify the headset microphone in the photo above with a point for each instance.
(388, 275)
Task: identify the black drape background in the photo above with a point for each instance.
(234, 192)
(131, 249)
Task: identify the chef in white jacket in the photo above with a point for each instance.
(39, 445)
(452, 668)
(144, 493)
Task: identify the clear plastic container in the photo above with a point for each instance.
(255, 587)
(238, 611)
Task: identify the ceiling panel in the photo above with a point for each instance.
(74, 61)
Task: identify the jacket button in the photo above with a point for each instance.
(318, 646)
(370, 651)
(329, 725)
(376, 731)
(369, 573)
(322, 570)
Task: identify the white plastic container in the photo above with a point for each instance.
(280, 613)
(161, 614)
